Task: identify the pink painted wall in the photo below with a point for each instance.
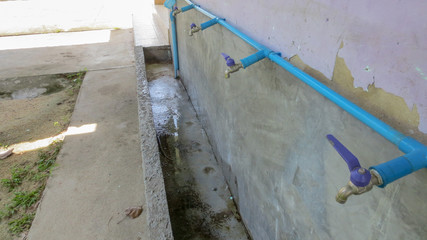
(384, 41)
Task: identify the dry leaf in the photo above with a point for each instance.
(133, 212)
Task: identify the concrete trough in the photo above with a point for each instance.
(186, 190)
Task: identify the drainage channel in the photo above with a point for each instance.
(200, 204)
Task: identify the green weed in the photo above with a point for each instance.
(17, 210)
(7, 212)
(26, 199)
(39, 176)
(47, 158)
(3, 146)
(21, 224)
(76, 78)
(22, 200)
(18, 174)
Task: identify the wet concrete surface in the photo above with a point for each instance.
(200, 204)
(32, 86)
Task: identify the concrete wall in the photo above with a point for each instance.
(380, 41)
(268, 132)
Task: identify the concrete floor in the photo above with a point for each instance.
(43, 16)
(99, 173)
(149, 21)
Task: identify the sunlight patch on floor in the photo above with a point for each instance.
(42, 143)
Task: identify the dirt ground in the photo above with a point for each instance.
(30, 120)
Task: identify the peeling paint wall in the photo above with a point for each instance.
(382, 42)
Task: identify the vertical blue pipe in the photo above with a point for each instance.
(174, 45)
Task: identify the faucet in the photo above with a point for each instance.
(351, 189)
(193, 29)
(176, 11)
(361, 179)
(231, 65)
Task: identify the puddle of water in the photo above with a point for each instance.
(27, 93)
(200, 204)
(32, 86)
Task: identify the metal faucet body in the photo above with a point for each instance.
(176, 11)
(361, 179)
(194, 29)
(232, 69)
(350, 189)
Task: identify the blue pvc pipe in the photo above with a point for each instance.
(401, 166)
(174, 38)
(186, 8)
(414, 159)
(223, 22)
(385, 130)
(247, 61)
(174, 45)
(416, 153)
(209, 23)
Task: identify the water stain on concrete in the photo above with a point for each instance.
(32, 86)
(208, 170)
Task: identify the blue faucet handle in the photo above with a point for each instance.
(229, 60)
(358, 176)
(193, 25)
(348, 157)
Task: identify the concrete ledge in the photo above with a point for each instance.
(158, 211)
(158, 54)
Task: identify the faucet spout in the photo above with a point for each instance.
(194, 29)
(176, 11)
(232, 69)
(351, 189)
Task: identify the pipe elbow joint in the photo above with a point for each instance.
(401, 166)
(268, 52)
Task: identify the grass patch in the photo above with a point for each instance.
(23, 176)
(18, 212)
(76, 81)
(39, 176)
(26, 199)
(76, 78)
(21, 224)
(48, 158)
(18, 174)
(21, 201)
